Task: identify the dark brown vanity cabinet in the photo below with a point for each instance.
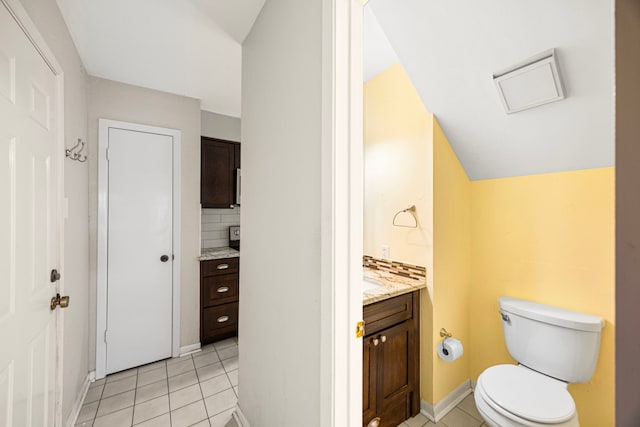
(220, 161)
(391, 361)
(219, 290)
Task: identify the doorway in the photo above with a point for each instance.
(138, 245)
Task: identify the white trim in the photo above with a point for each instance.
(20, 15)
(341, 228)
(77, 405)
(239, 417)
(189, 349)
(438, 411)
(101, 271)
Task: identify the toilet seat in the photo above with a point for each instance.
(525, 396)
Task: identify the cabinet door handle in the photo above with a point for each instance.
(222, 266)
(383, 338)
(376, 342)
(223, 289)
(223, 319)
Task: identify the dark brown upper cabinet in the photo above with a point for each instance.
(220, 160)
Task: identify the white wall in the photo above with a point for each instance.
(280, 325)
(118, 101)
(220, 126)
(75, 271)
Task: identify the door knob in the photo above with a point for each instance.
(164, 258)
(375, 342)
(55, 276)
(63, 302)
(383, 338)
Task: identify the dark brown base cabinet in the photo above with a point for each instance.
(391, 361)
(219, 290)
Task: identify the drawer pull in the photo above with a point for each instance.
(223, 289)
(222, 266)
(223, 319)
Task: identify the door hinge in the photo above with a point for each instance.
(360, 329)
(107, 154)
(105, 336)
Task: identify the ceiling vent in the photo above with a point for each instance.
(531, 83)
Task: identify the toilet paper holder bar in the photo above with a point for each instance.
(444, 333)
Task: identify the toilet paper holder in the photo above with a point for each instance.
(444, 333)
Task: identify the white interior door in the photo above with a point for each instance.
(140, 248)
(29, 229)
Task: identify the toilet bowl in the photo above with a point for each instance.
(553, 347)
(514, 396)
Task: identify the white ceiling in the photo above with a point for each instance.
(186, 47)
(451, 48)
(378, 54)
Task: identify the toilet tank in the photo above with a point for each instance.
(560, 343)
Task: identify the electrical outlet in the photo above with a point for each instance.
(384, 251)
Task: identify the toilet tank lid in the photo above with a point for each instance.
(551, 315)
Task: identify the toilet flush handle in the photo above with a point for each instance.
(505, 317)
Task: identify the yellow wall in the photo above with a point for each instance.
(398, 168)
(547, 238)
(398, 172)
(451, 263)
(550, 239)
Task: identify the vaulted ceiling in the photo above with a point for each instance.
(187, 47)
(450, 49)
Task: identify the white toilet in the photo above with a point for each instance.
(553, 347)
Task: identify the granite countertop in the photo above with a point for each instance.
(391, 285)
(218, 253)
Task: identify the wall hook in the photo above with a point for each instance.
(75, 153)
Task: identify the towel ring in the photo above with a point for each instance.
(412, 210)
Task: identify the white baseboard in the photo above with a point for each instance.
(436, 412)
(188, 349)
(239, 417)
(77, 405)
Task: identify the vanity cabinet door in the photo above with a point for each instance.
(395, 363)
(369, 380)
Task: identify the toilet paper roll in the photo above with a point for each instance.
(450, 349)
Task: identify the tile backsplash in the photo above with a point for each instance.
(215, 226)
(395, 267)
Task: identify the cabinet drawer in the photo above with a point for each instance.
(219, 289)
(381, 315)
(220, 317)
(215, 267)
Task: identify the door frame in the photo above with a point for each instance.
(342, 202)
(21, 16)
(103, 221)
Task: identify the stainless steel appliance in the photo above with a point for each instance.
(234, 237)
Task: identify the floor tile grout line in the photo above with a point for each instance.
(206, 411)
(166, 367)
(135, 393)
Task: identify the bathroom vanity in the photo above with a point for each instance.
(391, 361)
(391, 351)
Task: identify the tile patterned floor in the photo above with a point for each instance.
(463, 415)
(198, 390)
